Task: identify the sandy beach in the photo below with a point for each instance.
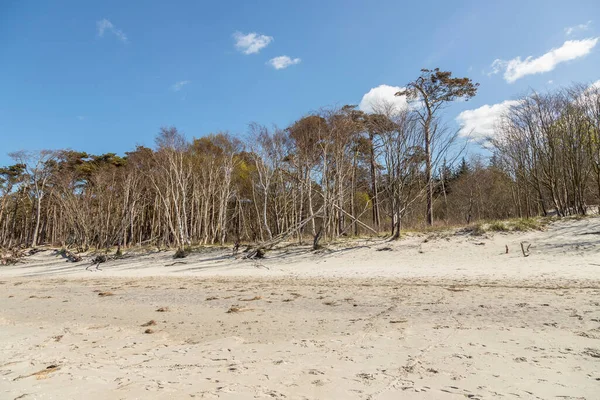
(432, 316)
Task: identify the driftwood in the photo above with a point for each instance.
(525, 250)
(11, 257)
(99, 259)
(34, 251)
(69, 255)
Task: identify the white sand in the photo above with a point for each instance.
(445, 318)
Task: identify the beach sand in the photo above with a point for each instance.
(433, 316)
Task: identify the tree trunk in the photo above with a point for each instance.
(37, 222)
(428, 171)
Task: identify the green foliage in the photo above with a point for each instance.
(439, 87)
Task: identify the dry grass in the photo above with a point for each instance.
(212, 298)
(105, 294)
(149, 323)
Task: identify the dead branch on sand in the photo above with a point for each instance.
(525, 250)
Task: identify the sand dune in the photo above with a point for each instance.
(439, 316)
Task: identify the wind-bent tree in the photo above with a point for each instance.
(432, 91)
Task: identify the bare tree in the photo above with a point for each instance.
(38, 170)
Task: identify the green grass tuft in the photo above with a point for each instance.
(498, 226)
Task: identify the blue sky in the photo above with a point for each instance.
(105, 76)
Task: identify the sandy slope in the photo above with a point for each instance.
(432, 318)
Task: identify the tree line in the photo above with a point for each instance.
(335, 172)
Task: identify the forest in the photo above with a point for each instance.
(334, 172)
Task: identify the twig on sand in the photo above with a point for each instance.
(175, 263)
(259, 265)
(99, 259)
(456, 289)
(252, 299)
(237, 309)
(42, 374)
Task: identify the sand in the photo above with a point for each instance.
(437, 316)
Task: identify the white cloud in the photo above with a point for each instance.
(283, 62)
(590, 94)
(516, 68)
(251, 43)
(480, 123)
(381, 97)
(550, 82)
(580, 27)
(105, 25)
(81, 117)
(179, 85)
